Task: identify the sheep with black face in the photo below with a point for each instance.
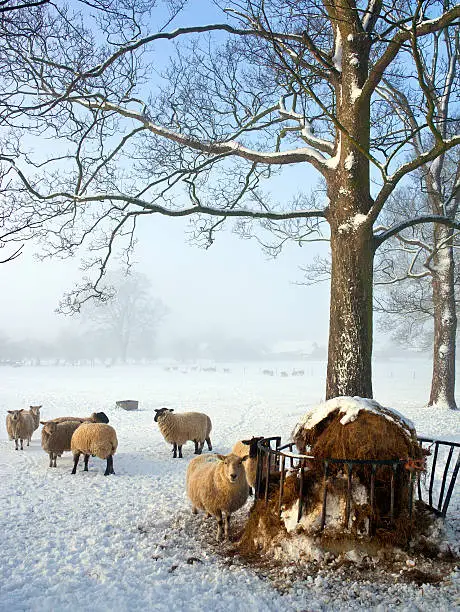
(178, 428)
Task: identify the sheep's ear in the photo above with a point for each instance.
(244, 458)
(22, 410)
(247, 442)
(221, 457)
(42, 422)
(10, 411)
(171, 409)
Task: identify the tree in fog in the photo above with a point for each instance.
(418, 277)
(281, 83)
(126, 323)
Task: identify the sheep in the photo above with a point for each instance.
(217, 484)
(97, 439)
(35, 412)
(178, 428)
(20, 425)
(95, 417)
(56, 438)
(241, 449)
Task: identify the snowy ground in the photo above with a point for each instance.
(129, 542)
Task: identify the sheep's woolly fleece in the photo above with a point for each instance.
(130, 541)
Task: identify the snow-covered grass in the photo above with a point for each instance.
(129, 541)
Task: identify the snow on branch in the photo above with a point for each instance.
(227, 147)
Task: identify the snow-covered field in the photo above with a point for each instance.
(129, 542)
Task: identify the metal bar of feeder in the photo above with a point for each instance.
(299, 513)
(372, 499)
(433, 469)
(411, 503)
(280, 502)
(323, 510)
(348, 505)
(451, 487)
(267, 483)
(392, 491)
(258, 472)
(444, 476)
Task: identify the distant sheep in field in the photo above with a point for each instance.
(96, 417)
(20, 426)
(97, 439)
(178, 428)
(268, 372)
(298, 372)
(241, 449)
(217, 484)
(56, 438)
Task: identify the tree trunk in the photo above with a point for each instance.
(445, 322)
(349, 369)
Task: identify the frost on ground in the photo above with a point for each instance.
(129, 541)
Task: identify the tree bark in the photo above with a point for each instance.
(349, 369)
(442, 393)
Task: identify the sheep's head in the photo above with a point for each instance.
(252, 443)
(233, 467)
(159, 412)
(99, 417)
(15, 414)
(35, 410)
(49, 427)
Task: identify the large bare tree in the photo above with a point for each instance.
(280, 82)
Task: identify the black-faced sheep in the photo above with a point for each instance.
(217, 484)
(56, 438)
(178, 428)
(241, 449)
(95, 417)
(20, 426)
(96, 439)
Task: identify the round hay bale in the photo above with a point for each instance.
(356, 428)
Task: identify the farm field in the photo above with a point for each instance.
(130, 542)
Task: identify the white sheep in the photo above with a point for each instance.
(178, 428)
(56, 438)
(96, 439)
(20, 426)
(241, 449)
(217, 484)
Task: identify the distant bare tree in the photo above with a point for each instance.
(128, 320)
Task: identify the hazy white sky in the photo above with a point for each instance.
(231, 289)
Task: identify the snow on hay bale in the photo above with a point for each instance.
(356, 428)
(341, 428)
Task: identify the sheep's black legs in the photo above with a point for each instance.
(208, 441)
(53, 459)
(227, 525)
(76, 458)
(109, 468)
(16, 443)
(174, 450)
(180, 451)
(197, 452)
(85, 469)
(220, 522)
